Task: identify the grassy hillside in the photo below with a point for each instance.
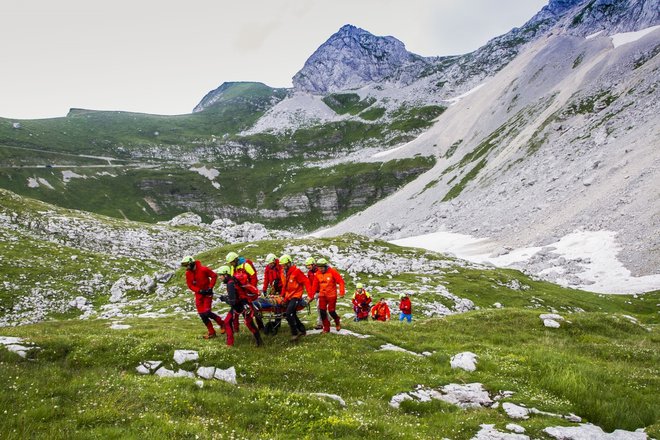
(601, 364)
(149, 167)
(82, 383)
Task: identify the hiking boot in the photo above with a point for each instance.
(210, 336)
(258, 339)
(338, 327)
(294, 338)
(222, 330)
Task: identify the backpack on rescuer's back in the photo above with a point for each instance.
(249, 279)
(242, 280)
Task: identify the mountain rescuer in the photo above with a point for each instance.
(381, 311)
(201, 280)
(293, 282)
(272, 276)
(361, 302)
(237, 263)
(329, 281)
(312, 269)
(243, 270)
(239, 298)
(406, 308)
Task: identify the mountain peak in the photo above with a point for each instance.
(353, 57)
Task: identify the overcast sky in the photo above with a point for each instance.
(163, 56)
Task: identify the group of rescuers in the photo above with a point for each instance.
(283, 285)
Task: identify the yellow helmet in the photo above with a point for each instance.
(286, 258)
(359, 286)
(321, 262)
(187, 260)
(231, 257)
(224, 270)
(310, 261)
(270, 258)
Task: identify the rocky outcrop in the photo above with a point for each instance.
(352, 58)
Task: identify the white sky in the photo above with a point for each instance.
(163, 56)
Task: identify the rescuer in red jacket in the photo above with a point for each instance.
(272, 276)
(381, 311)
(361, 303)
(293, 283)
(406, 308)
(312, 270)
(201, 280)
(239, 298)
(329, 281)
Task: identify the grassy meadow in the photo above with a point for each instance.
(601, 364)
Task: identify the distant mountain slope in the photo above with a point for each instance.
(564, 137)
(255, 96)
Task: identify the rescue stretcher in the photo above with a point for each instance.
(272, 309)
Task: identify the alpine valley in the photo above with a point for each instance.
(541, 143)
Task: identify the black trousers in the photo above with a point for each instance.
(292, 317)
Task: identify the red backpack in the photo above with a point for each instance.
(244, 277)
(245, 289)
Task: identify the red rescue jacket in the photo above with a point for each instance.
(381, 311)
(328, 283)
(200, 278)
(272, 275)
(237, 292)
(311, 276)
(405, 306)
(361, 298)
(293, 282)
(245, 270)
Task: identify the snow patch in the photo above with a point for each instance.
(590, 256)
(629, 37)
(594, 35)
(455, 99)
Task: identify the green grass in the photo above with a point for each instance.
(587, 104)
(456, 190)
(350, 103)
(82, 382)
(373, 113)
(452, 148)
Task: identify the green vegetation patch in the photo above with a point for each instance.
(460, 186)
(373, 113)
(350, 103)
(591, 104)
(452, 148)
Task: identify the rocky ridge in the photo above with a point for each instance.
(562, 138)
